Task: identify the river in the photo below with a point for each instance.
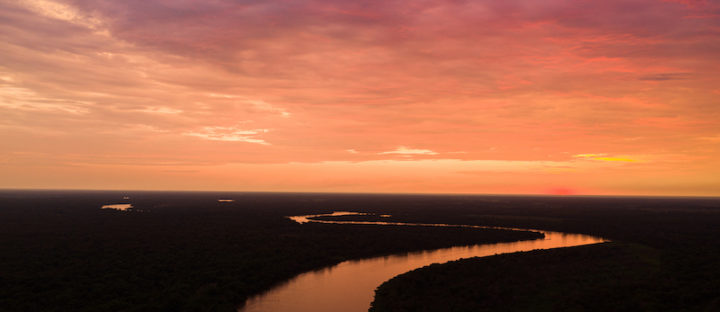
(350, 285)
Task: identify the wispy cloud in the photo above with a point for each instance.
(160, 110)
(666, 76)
(713, 138)
(20, 98)
(605, 157)
(230, 134)
(61, 11)
(255, 104)
(402, 150)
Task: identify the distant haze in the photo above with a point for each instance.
(535, 97)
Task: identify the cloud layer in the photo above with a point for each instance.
(195, 84)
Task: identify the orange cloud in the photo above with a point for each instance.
(402, 150)
(230, 134)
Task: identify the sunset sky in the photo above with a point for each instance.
(512, 96)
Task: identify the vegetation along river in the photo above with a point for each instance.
(350, 285)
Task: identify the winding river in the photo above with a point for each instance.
(350, 285)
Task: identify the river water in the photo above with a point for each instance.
(350, 285)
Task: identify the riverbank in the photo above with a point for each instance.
(350, 285)
(664, 258)
(603, 277)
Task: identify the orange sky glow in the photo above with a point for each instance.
(517, 96)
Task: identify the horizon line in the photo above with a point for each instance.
(363, 193)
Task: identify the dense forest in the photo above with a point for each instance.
(186, 251)
(600, 277)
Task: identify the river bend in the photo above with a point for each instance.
(350, 285)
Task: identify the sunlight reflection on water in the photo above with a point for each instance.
(350, 285)
(121, 207)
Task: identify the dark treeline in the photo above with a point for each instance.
(664, 257)
(185, 251)
(599, 277)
